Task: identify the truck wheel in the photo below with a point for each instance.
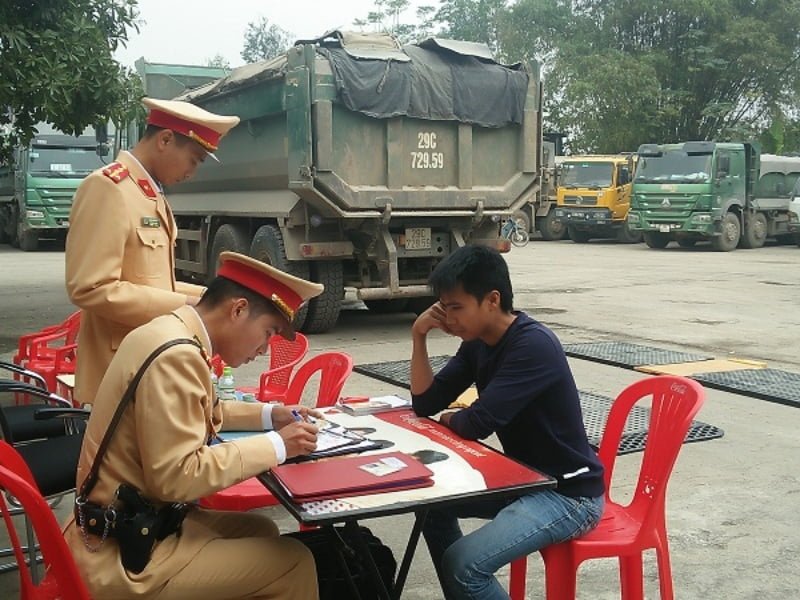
(577, 236)
(523, 219)
(729, 237)
(228, 237)
(626, 235)
(755, 231)
(551, 228)
(28, 239)
(386, 307)
(323, 311)
(268, 246)
(653, 239)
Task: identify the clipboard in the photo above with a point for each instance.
(342, 477)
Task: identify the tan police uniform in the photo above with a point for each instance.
(160, 447)
(120, 258)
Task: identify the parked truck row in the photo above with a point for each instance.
(726, 193)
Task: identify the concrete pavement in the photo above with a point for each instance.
(731, 502)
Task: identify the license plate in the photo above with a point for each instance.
(663, 228)
(418, 238)
(579, 215)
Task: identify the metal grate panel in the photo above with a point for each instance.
(623, 354)
(595, 408)
(774, 385)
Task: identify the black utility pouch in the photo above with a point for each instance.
(136, 528)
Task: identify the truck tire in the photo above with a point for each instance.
(387, 307)
(728, 239)
(228, 237)
(656, 240)
(577, 236)
(268, 247)
(551, 228)
(755, 231)
(323, 311)
(28, 239)
(523, 219)
(626, 235)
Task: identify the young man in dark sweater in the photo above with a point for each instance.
(528, 397)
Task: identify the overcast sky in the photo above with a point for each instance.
(191, 32)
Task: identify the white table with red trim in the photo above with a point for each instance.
(463, 471)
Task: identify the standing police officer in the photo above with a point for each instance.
(120, 258)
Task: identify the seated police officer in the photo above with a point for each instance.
(132, 533)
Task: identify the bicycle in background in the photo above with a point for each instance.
(514, 229)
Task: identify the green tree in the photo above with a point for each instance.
(219, 62)
(472, 20)
(263, 40)
(661, 69)
(57, 65)
(388, 17)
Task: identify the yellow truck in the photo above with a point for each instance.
(594, 195)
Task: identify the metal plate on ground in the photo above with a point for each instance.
(623, 354)
(774, 385)
(595, 408)
(397, 372)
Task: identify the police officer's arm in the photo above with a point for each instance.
(171, 429)
(99, 229)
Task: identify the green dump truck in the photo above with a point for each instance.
(727, 193)
(37, 186)
(361, 164)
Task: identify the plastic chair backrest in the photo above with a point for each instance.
(675, 402)
(334, 368)
(63, 579)
(38, 345)
(283, 356)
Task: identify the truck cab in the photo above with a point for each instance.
(36, 189)
(693, 191)
(594, 195)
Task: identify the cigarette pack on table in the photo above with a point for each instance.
(364, 405)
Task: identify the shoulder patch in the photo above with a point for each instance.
(145, 186)
(116, 172)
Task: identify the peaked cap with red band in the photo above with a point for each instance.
(191, 121)
(287, 292)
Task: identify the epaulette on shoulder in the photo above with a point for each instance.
(116, 172)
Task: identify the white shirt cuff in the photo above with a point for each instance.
(266, 416)
(277, 442)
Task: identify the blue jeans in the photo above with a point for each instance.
(466, 564)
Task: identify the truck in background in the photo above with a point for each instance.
(37, 187)
(329, 183)
(594, 196)
(727, 193)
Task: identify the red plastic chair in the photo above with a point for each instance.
(627, 531)
(335, 368)
(62, 579)
(36, 345)
(284, 355)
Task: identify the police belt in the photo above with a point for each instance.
(167, 520)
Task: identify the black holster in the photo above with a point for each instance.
(135, 523)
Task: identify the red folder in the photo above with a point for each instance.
(342, 477)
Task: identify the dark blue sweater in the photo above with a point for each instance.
(527, 395)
